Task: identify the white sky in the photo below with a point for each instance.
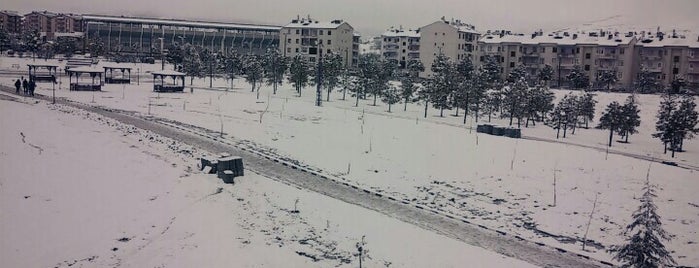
(371, 17)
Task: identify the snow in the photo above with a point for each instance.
(502, 183)
(93, 192)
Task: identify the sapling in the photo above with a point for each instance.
(589, 220)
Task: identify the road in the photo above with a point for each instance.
(286, 172)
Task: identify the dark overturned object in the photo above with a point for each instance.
(226, 167)
(499, 131)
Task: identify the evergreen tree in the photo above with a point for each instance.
(491, 102)
(608, 78)
(95, 46)
(31, 41)
(647, 82)
(191, 63)
(368, 69)
(478, 91)
(462, 97)
(275, 67)
(408, 82)
(299, 73)
(175, 55)
(578, 78)
(492, 71)
(685, 119)
(515, 95)
(391, 96)
(564, 114)
(384, 72)
(442, 83)
(586, 107)
(346, 77)
(612, 119)
(645, 248)
(332, 68)
(631, 118)
(517, 73)
(545, 74)
(424, 94)
(253, 68)
(211, 63)
(539, 102)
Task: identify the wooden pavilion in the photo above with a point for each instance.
(161, 84)
(117, 75)
(42, 72)
(76, 82)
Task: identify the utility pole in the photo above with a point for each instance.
(162, 54)
(319, 76)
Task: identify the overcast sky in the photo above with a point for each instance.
(371, 17)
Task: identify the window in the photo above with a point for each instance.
(676, 59)
(587, 67)
(297, 31)
(297, 50)
(587, 55)
(482, 58)
(288, 50)
(660, 65)
(288, 41)
(619, 74)
(512, 64)
(297, 40)
(621, 63)
(513, 54)
(320, 32)
(621, 51)
(312, 59)
(613, 51)
(577, 50)
(404, 43)
(555, 49)
(329, 41)
(330, 32)
(675, 70)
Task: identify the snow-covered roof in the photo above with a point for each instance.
(11, 13)
(43, 13)
(183, 23)
(557, 38)
(85, 69)
(314, 24)
(401, 33)
(168, 73)
(680, 41)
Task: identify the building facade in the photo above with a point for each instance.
(11, 21)
(401, 46)
(669, 56)
(311, 39)
(453, 38)
(42, 22)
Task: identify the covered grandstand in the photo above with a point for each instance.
(143, 35)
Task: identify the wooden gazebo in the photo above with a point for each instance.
(42, 72)
(77, 83)
(161, 84)
(123, 75)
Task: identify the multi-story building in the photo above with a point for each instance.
(669, 56)
(11, 21)
(453, 38)
(593, 52)
(401, 46)
(67, 23)
(312, 39)
(42, 22)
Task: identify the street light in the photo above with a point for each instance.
(162, 54)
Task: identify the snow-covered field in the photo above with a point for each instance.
(499, 182)
(78, 189)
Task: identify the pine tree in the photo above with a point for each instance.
(253, 68)
(645, 248)
(462, 97)
(275, 67)
(515, 95)
(332, 68)
(299, 72)
(686, 119)
(545, 74)
(391, 96)
(408, 82)
(608, 78)
(191, 63)
(368, 70)
(564, 114)
(442, 83)
(578, 78)
(232, 65)
(344, 80)
(647, 82)
(517, 73)
(586, 107)
(478, 92)
(424, 94)
(612, 119)
(631, 118)
(539, 101)
(665, 129)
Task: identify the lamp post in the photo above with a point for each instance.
(162, 54)
(319, 76)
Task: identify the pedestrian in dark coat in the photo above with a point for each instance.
(25, 86)
(32, 86)
(18, 84)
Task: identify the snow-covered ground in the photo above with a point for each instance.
(77, 189)
(499, 182)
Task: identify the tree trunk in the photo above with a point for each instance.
(328, 98)
(426, 104)
(405, 106)
(477, 111)
(356, 103)
(253, 86)
(512, 113)
(375, 99)
(626, 138)
(565, 130)
(465, 115)
(457, 111)
(441, 112)
(389, 107)
(611, 135)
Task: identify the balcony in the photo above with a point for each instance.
(390, 47)
(607, 56)
(606, 67)
(654, 69)
(413, 55)
(646, 57)
(693, 71)
(414, 47)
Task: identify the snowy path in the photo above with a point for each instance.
(507, 245)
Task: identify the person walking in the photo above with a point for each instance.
(25, 84)
(32, 87)
(18, 84)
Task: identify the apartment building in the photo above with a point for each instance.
(454, 38)
(311, 38)
(401, 46)
(669, 56)
(67, 23)
(41, 21)
(11, 21)
(594, 52)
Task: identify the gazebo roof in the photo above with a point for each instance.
(85, 69)
(117, 67)
(168, 73)
(42, 65)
